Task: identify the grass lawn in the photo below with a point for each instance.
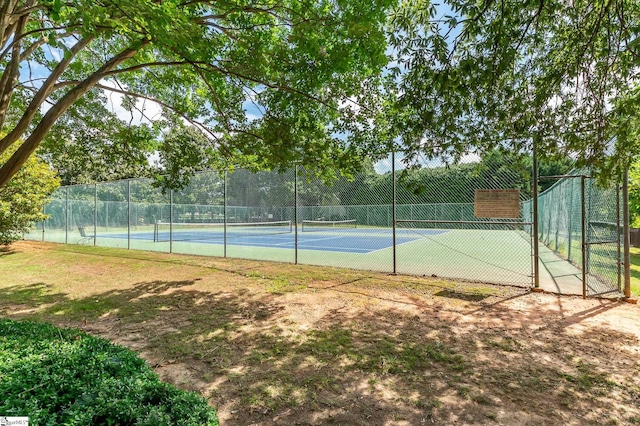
(275, 343)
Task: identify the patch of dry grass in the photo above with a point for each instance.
(279, 343)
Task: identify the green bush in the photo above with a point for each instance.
(22, 198)
(63, 376)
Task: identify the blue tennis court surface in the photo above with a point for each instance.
(363, 240)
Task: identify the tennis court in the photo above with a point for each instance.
(294, 217)
(336, 236)
(493, 256)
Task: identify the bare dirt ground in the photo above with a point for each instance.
(273, 343)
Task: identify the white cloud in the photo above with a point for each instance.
(470, 158)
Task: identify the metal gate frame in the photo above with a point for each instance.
(622, 240)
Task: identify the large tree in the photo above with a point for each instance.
(301, 67)
(476, 75)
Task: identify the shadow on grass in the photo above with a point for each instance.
(381, 366)
(6, 251)
(31, 295)
(470, 297)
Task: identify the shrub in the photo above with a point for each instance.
(63, 376)
(22, 199)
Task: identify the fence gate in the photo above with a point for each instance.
(603, 237)
(582, 222)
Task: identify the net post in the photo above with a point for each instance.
(295, 214)
(393, 207)
(626, 225)
(224, 213)
(534, 240)
(95, 213)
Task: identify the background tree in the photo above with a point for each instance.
(299, 65)
(91, 144)
(22, 199)
(183, 152)
(473, 76)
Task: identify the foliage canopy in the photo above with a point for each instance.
(301, 65)
(476, 75)
(277, 82)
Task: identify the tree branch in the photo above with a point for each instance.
(38, 99)
(146, 65)
(10, 74)
(21, 155)
(39, 30)
(6, 9)
(535, 18)
(194, 123)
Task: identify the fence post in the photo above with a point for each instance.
(44, 212)
(393, 207)
(128, 214)
(584, 236)
(171, 221)
(625, 218)
(618, 236)
(295, 214)
(557, 213)
(66, 216)
(534, 189)
(95, 213)
(570, 224)
(224, 214)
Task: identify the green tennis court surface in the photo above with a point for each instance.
(491, 256)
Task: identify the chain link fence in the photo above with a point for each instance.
(436, 206)
(391, 217)
(388, 218)
(581, 221)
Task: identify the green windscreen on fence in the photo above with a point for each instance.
(420, 220)
(580, 220)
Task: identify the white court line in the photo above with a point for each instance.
(390, 246)
(293, 242)
(333, 249)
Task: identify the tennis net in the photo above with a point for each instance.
(164, 231)
(324, 225)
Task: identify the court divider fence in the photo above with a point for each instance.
(409, 221)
